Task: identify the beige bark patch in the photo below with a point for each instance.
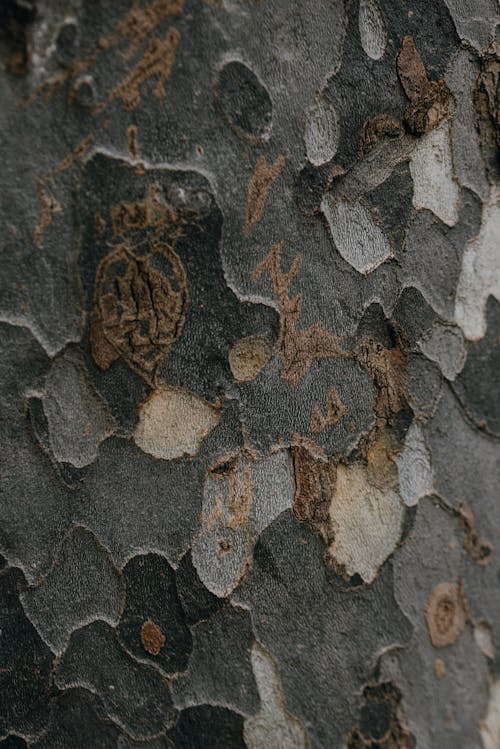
(480, 275)
(366, 523)
(357, 236)
(489, 727)
(483, 637)
(414, 467)
(248, 357)
(173, 422)
(274, 725)
(322, 132)
(431, 169)
(445, 614)
(372, 30)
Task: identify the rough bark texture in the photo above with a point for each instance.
(249, 372)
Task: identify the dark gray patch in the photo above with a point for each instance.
(65, 43)
(198, 602)
(151, 596)
(208, 727)
(77, 722)
(273, 412)
(82, 585)
(109, 505)
(413, 315)
(25, 664)
(13, 742)
(244, 101)
(133, 695)
(220, 670)
(432, 253)
(306, 623)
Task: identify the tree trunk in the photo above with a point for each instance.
(250, 357)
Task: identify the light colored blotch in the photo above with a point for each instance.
(414, 467)
(273, 726)
(480, 274)
(444, 344)
(489, 727)
(248, 357)
(83, 585)
(467, 160)
(372, 29)
(238, 504)
(431, 168)
(322, 132)
(77, 417)
(475, 21)
(366, 522)
(173, 422)
(483, 637)
(357, 236)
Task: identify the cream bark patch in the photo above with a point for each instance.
(480, 275)
(489, 728)
(414, 467)
(372, 29)
(358, 238)
(174, 422)
(273, 725)
(248, 357)
(322, 132)
(366, 523)
(431, 168)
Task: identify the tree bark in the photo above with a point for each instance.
(250, 357)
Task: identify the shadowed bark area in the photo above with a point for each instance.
(249, 374)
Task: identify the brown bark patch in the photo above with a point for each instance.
(79, 150)
(445, 614)
(430, 101)
(314, 489)
(49, 207)
(334, 411)
(298, 349)
(138, 311)
(152, 637)
(388, 367)
(133, 141)
(258, 189)
(380, 721)
(375, 129)
(139, 22)
(157, 60)
(439, 669)
(151, 212)
(479, 549)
